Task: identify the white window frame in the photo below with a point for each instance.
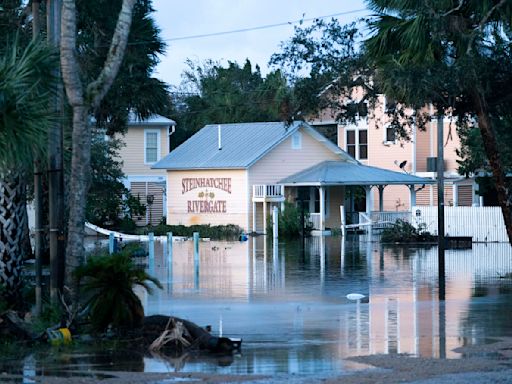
(385, 141)
(297, 140)
(361, 125)
(158, 149)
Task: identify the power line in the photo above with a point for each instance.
(267, 26)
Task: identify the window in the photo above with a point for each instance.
(297, 140)
(390, 134)
(357, 143)
(151, 146)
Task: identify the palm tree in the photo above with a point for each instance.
(454, 54)
(108, 283)
(25, 87)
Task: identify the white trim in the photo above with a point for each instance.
(146, 178)
(158, 145)
(360, 125)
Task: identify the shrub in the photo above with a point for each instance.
(107, 282)
(404, 232)
(289, 222)
(216, 232)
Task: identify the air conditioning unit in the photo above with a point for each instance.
(431, 164)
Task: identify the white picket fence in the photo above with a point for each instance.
(483, 224)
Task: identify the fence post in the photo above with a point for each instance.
(343, 222)
(196, 260)
(275, 222)
(151, 251)
(111, 243)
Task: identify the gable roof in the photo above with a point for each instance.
(346, 173)
(243, 144)
(152, 120)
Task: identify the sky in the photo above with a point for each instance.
(178, 19)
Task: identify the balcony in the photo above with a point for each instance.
(267, 193)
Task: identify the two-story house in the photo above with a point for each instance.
(372, 141)
(146, 142)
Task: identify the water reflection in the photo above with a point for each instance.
(287, 300)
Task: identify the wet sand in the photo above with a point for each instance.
(489, 363)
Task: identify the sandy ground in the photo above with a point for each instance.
(484, 364)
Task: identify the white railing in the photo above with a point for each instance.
(390, 217)
(267, 190)
(314, 218)
(483, 224)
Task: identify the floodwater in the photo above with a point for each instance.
(287, 301)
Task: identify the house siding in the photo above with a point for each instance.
(132, 153)
(236, 202)
(284, 161)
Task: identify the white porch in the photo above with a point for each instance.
(266, 194)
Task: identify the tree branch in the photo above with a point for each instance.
(461, 3)
(482, 23)
(99, 87)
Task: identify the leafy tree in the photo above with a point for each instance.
(456, 55)
(215, 94)
(109, 200)
(26, 82)
(326, 65)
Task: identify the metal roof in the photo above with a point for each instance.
(155, 120)
(346, 173)
(242, 145)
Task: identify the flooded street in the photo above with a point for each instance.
(288, 302)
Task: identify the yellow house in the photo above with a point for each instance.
(234, 174)
(146, 142)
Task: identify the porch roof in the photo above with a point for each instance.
(345, 173)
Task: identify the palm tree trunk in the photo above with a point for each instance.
(12, 223)
(493, 155)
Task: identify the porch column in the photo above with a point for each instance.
(381, 197)
(368, 190)
(254, 216)
(282, 202)
(322, 208)
(265, 217)
(413, 196)
(455, 191)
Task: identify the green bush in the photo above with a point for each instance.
(404, 232)
(216, 232)
(289, 222)
(107, 282)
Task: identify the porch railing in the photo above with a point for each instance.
(389, 217)
(267, 190)
(314, 218)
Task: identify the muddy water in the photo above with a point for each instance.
(288, 302)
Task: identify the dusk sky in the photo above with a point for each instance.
(179, 19)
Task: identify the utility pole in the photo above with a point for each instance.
(38, 189)
(55, 168)
(440, 204)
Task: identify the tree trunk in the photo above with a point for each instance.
(12, 223)
(493, 155)
(81, 101)
(79, 186)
